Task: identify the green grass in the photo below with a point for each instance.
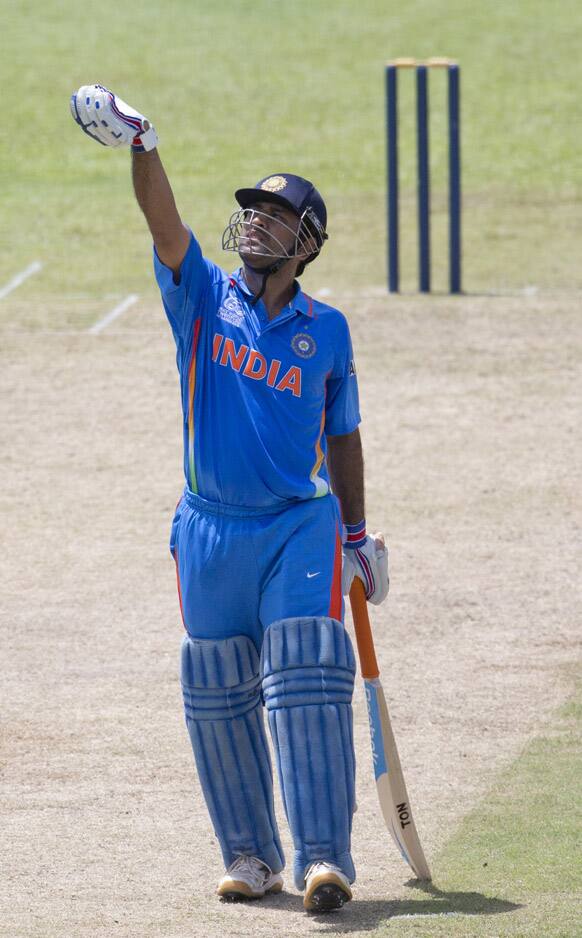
(240, 88)
(513, 868)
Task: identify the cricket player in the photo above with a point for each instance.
(274, 485)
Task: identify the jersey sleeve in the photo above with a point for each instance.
(183, 300)
(342, 406)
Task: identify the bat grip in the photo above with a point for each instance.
(364, 639)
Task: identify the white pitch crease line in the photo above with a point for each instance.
(115, 312)
(20, 278)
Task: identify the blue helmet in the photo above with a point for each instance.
(293, 192)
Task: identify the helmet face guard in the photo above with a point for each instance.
(243, 235)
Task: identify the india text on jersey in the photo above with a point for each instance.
(256, 365)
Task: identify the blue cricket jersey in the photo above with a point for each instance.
(258, 396)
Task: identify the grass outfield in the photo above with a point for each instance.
(513, 868)
(238, 89)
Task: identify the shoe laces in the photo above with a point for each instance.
(322, 866)
(254, 867)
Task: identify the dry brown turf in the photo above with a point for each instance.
(473, 468)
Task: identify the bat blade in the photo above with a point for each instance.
(390, 785)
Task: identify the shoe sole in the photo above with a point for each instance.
(238, 891)
(327, 893)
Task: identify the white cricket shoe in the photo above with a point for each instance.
(248, 878)
(326, 887)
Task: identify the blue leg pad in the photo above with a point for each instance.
(224, 716)
(308, 670)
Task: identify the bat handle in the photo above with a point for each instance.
(364, 639)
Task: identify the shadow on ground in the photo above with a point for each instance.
(365, 915)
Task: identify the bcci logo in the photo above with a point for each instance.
(303, 345)
(274, 184)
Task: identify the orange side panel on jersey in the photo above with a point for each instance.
(191, 390)
(335, 600)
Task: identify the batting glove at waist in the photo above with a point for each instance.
(110, 121)
(370, 563)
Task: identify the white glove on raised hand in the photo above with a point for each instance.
(110, 121)
(369, 561)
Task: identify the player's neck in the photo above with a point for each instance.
(279, 290)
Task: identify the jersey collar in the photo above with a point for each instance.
(300, 304)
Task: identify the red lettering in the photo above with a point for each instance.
(291, 381)
(216, 345)
(255, 358)
(273, 372)
(257, 367)
(230, 354)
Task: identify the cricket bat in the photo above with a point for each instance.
(390, 784)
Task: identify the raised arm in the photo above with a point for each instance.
(113, 123)
(156, 200)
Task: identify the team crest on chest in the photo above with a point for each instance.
(232, 311)
(303, 345)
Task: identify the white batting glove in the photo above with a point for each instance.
(369, 561)
(110, 121)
